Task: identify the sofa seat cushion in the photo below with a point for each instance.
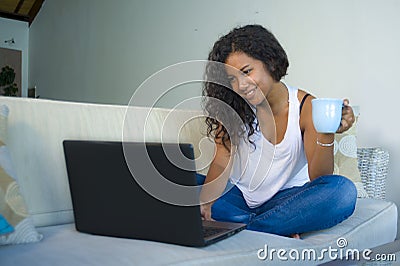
(63, 245)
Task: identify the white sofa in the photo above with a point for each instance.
(36, 129)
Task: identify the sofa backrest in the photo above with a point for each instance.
(37, 128)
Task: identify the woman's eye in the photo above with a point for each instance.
(246, 71)
(231, 79)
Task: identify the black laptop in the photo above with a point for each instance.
(107, 200)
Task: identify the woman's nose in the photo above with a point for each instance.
(243, 82)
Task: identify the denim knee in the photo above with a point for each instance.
(225, 211)
(200, 178)
(344, 196)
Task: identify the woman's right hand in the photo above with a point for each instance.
(216, 179)
(205, 210)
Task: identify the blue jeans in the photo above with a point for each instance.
(317, 205)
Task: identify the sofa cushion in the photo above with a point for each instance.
(63, 245)
(12, 205)
(345, 160)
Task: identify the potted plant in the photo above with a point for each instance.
(7, 85)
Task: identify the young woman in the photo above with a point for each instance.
(280, 168)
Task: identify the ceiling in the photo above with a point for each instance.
(24, 10)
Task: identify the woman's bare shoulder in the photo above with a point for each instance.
(302, 93)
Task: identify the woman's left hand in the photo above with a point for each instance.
(347, 117)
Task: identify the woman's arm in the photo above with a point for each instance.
(216, 179)
(319, 156)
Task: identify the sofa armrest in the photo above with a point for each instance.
(373, 165)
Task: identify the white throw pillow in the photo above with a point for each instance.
(346, 163)
(12, 205)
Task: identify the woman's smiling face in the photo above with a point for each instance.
(248, 77)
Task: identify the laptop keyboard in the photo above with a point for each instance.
(210, 231)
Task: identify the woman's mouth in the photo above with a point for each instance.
(250, 93)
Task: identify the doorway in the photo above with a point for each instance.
(13, 59)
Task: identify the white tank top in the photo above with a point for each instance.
(261, 172)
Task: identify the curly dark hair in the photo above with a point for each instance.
(256, 42)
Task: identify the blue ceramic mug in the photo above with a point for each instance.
(327, 114)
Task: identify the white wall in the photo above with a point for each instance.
(18, 30)
(345, 48)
